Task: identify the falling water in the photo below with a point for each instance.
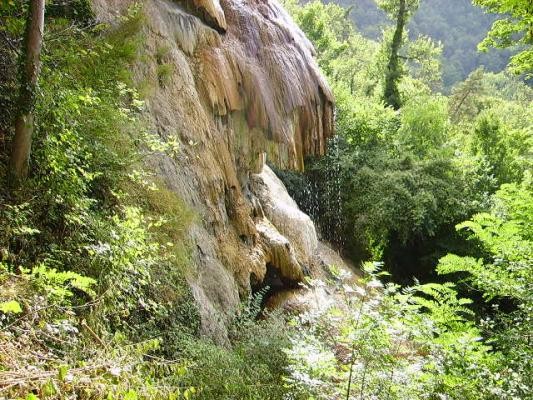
(321, 195)
(311, 197)
(334, 183)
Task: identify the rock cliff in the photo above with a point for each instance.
(243, 88)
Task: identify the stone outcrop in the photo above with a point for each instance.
(279, 207)
(244, 88)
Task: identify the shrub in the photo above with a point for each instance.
(254, 367)
(88, 271)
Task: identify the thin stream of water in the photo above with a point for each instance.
(322, 197)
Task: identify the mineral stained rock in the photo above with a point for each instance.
(243, 87)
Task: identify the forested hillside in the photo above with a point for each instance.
(255, 200)
(437, 191)
(457, 24)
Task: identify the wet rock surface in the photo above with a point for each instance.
(320, 291)
(285, 215)
(243, 87)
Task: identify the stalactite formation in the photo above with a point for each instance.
(244, 88)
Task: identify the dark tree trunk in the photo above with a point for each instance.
(392, 95)
(24, 122)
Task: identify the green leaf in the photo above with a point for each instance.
(62, 372)
(130, 395)
(10, 307)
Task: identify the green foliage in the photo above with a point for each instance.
(424, 125)
(505, 234)
(94, 259)
(97, 271)
(505, 153)
(370, 194)
(457, 24)
(164, 74)
(94, 249)
(78, 11)
(443, 306)
(10, 307)
(391, 7)
(253, 368)
(341, 51)
(393, 186)
(410, 176)
(343, 54)
(515, 28)
(505, 95)
(57, 286)
(383, 342)
(466, 96)
(390, 175)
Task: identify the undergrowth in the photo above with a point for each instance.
(94, 260)
(87, 270)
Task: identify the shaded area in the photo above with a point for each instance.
(272, 284)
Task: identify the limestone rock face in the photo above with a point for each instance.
(324, 290)
(284, 214)
(279, 253)
(244, 87)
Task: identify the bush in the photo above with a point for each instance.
(89, 271)
(254, 367)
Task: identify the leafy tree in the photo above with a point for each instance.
(457, 25)
(424, 125)
(389, 176)
(423, 57)
(465, 97)
(399, 10)
(488, 143)
(343, 54)
(515, 28)
(504, 147)
(505, 274)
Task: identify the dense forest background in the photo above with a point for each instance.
(457, 24)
